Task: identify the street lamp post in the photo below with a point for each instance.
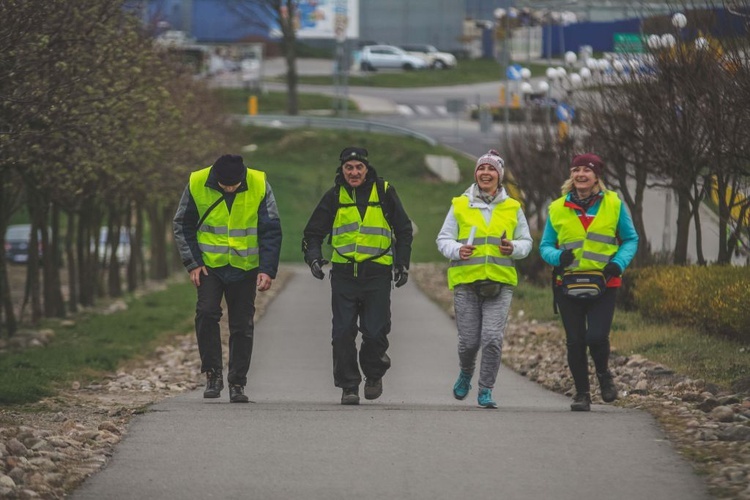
(544, 88)
(504, 15)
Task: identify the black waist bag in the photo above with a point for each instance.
(487, 288)
(583, 284)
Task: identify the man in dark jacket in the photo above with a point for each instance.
(228, 233)
(371, 236)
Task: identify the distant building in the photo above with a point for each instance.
(451, 25)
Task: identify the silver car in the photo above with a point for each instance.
(376, 57)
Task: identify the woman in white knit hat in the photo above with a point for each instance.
(484, 232)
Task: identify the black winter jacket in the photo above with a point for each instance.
(320, 225)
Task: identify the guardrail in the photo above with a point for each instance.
(287, 121)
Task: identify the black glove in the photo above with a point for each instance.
(566, 258)
(611, 270)
(400, 276)
(316, 267)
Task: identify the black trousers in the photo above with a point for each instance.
(360, 304)
(240, 301)
(587, 324)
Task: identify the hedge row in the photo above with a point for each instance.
(713, 299)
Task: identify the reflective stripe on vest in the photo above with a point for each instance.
(486, 263)
(593, 247)
(224, 237)
(357, 239)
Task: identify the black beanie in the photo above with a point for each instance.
(229, 170)
(354, 153)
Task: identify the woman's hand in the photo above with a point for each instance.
(465, 251)
(506, 246)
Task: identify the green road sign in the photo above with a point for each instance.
(628, 43)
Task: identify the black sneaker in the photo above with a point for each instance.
(581, 402)
(237, 394)
(607, 386)
(373, 388)
(350, 396)
(214, 383)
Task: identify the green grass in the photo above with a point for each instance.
(96, 344)
(467, 72)
(682, 349)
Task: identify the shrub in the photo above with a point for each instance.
(713, 298)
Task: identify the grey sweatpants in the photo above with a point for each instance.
(481, 323)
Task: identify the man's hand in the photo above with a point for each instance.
(316, 267)
(264, 282)
(195, 275)
(566, 258)
(611, 270)
(400, 275)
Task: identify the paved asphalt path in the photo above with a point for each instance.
(295, 441)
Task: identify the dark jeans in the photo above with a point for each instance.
(240, 301)
(368, 300)
(587, 324)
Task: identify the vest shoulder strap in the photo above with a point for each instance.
(380, 186)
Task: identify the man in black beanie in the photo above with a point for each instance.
(228, 233)
(371, 237)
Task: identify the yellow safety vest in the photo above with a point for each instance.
(224, 237)
(486, 263)
(592, 247)
(357, 239)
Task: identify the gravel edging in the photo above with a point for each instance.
(49, 448)
(709, 426)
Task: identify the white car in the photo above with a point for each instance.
(435, 58)
(376, 57)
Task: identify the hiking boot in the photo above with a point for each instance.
(214, 383)
(485, 398)
(373, 388)
(237, 394)
(350, 396)
(581, 402)
(607, 386)
(462, 386)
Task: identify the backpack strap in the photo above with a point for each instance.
(208, 211)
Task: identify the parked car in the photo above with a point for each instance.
(17, 239)
(433, 57)
(123, 248)
(376, 57)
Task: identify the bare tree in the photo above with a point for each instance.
(283, 13)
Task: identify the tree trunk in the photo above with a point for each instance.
(6, 311)
(114, 284)
(131, 274)
(683, 229)
(70, 255)
(54, 305)
(159, 266)
(292, 104)
(38, 227)
(86, 278)
(698, 234)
